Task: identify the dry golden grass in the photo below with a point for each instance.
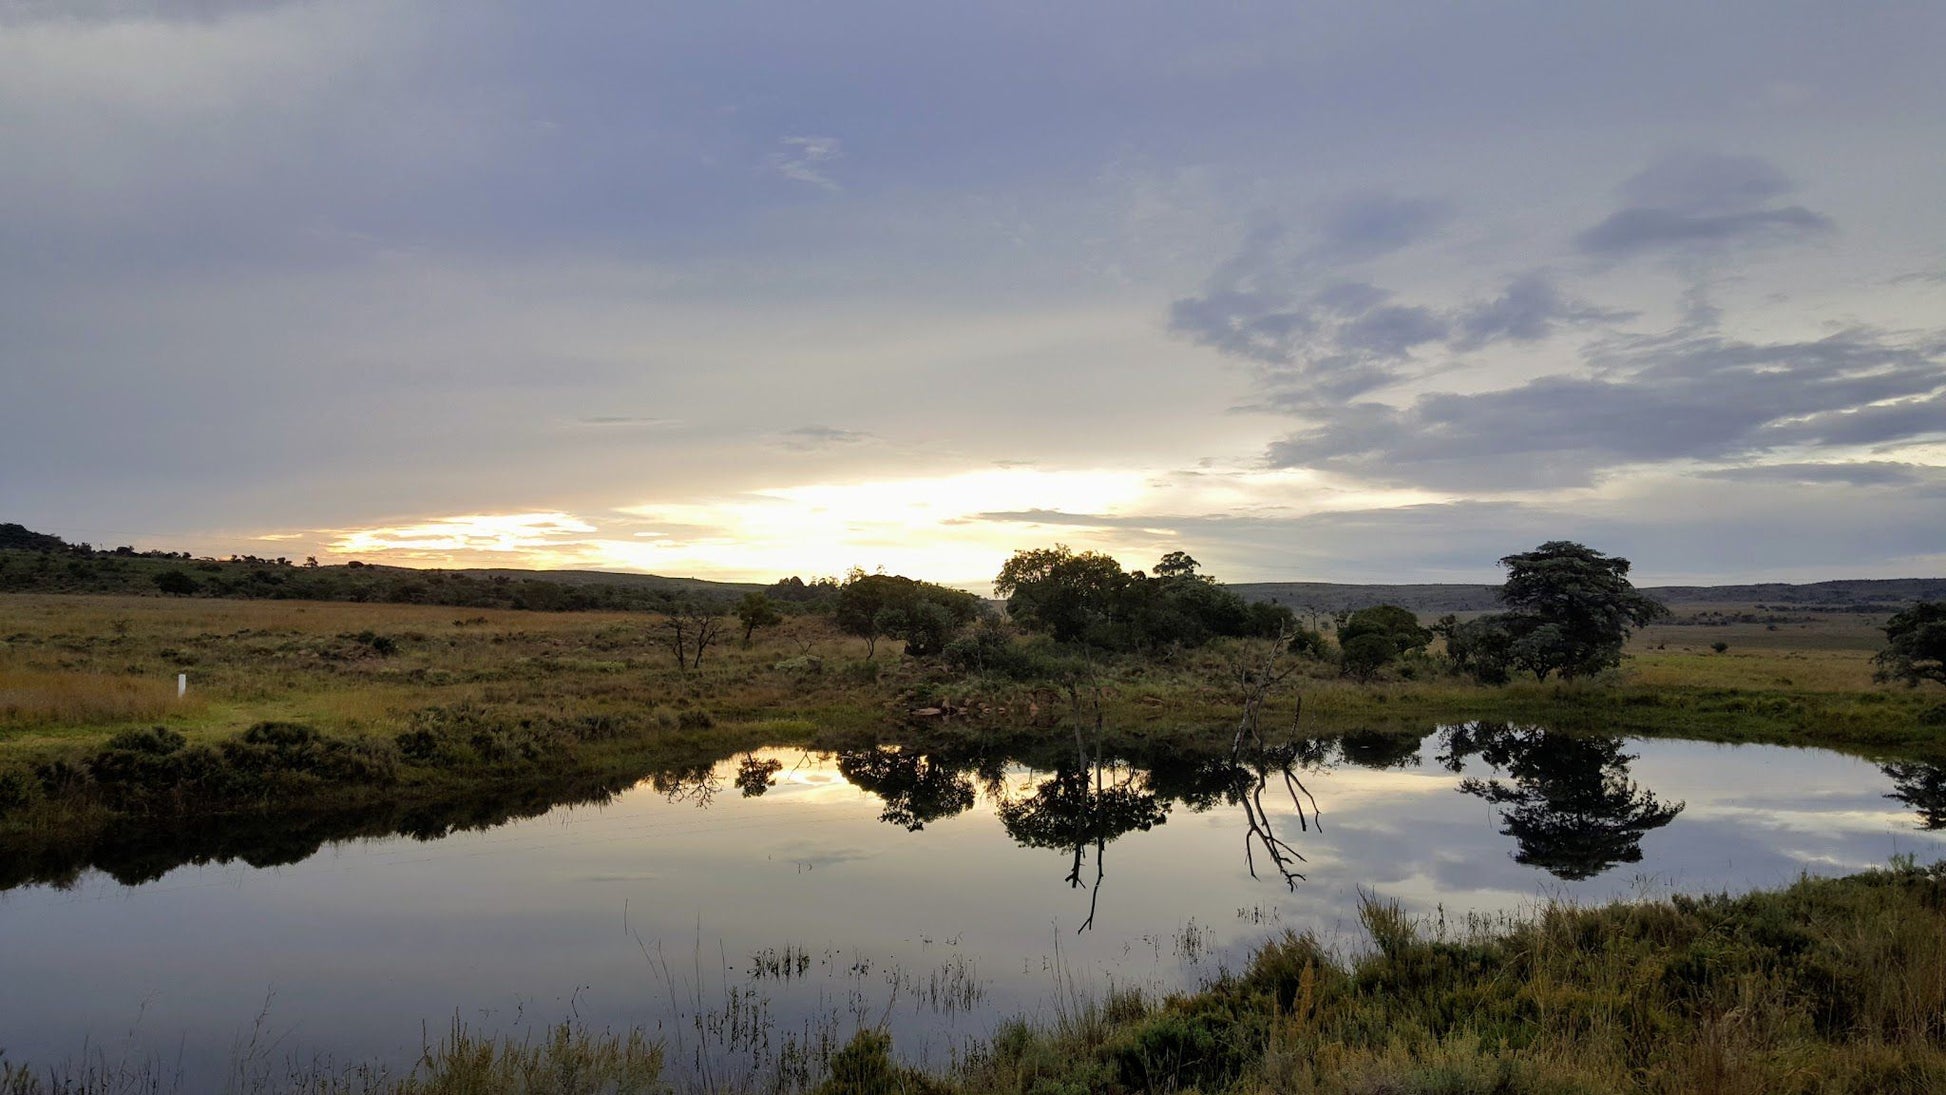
(55, 697)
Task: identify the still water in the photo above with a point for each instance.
(771, 902)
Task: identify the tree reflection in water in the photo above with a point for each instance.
(916, 788)
(1568, 803)
(755, 775)
(1921, 786)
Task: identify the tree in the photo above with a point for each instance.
(1571, 609)
(1176, 564)
(755, 611)
(1060, 591)
(926, 616)
(1396, 625)
(1915, 645)
(691, 630)
(1480, 646)
(175, 583)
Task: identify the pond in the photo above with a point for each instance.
(750, 911)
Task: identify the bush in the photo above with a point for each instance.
(18, 788)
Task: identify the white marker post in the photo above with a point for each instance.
(182, 685)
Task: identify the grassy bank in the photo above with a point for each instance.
(1829, 986)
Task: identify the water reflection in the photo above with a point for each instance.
(1921, 786)
(916, 788)
(143, 850)
(1568, 803)
(755, 774)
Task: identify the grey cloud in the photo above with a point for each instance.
(115, 11)
(1876, 473)
(1698, 201)
(1875, 425)
(811, 438)
(1530, 309)
(808, 160)
(1061, 517)
(1635, 231)
(1346, 337)
(1701, 182)
(1374, 224)
(1725, 530)
(1393, 331)
(1351, 298)
(1931, 277)
(1251, 326)
(625, 420)
(1662, 399)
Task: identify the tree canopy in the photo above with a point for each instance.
(1570, 609)
(924, 615)
(1915, 645)
(1086, 597)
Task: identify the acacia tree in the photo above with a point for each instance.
(1570, 609)
(1915, 645)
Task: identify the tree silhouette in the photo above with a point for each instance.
(1921, 786)
(916, 788)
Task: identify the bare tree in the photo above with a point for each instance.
(691, 630)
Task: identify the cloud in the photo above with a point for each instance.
(116, 11)
(1368, 225)
(1874, 473)
(808, 160)
(1393, 331)
(1530, 309)
(1654, 400)
(1322, 336)
(1700, 202)
(626, 420)
(1290, 309)
(814, 438)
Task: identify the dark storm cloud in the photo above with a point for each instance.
(1701, 201)
(1658, 400)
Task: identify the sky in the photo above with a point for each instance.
(1315, 292)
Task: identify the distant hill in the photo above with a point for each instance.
(37, 562)
(33, 562)
(1861, 594)
(697, 586)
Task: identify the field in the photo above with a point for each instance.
(75, 669)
